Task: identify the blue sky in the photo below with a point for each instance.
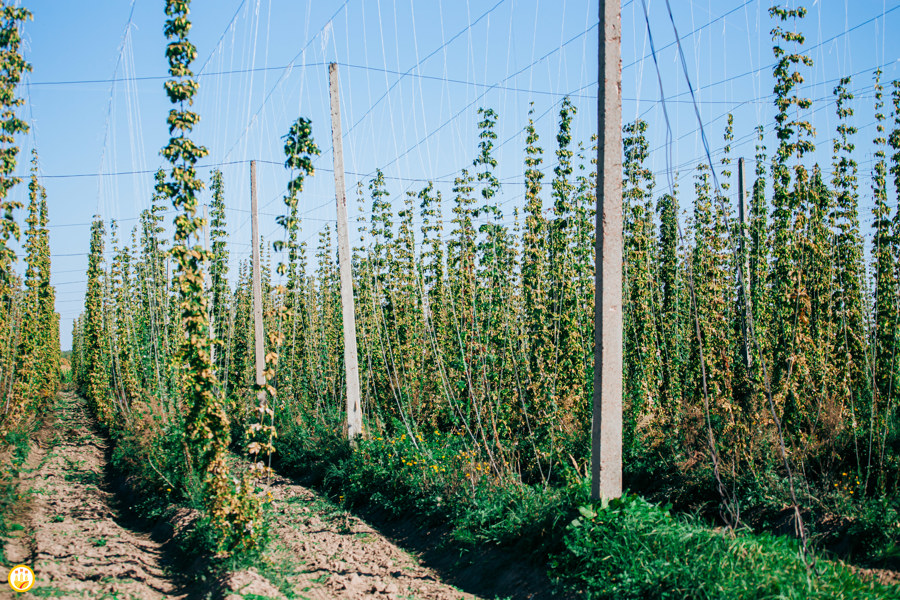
(413, 74)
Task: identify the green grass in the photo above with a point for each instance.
(629, 549)
(437, 478)
(634, 549)
(48, 592)
(18, 444)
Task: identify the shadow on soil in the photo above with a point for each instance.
(488, 572)
(185, 569)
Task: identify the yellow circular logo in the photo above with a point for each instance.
(21, 578)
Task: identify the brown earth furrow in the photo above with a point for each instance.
(73, 536)
(80, 547)
(336, 555)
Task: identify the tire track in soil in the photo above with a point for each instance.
(325, 553)
(74, 536)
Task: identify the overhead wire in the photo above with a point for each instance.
(403, 171)
(109, 109)
(285, 72)
(420, 62)
(806, 50)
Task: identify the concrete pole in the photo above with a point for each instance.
(354, 413)
(744, 291)
(207, 283)
(258, 334)
(606, 429)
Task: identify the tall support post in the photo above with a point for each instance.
(206, 228)
(207, 282)
(744, 291)
(258, 335)
(606, 427)
(354, 412)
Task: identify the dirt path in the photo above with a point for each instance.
(80, 545)
(323, 553)
(73, 535)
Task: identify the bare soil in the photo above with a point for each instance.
(74, 535)
(323, 552)
(82, 540)
(488, 571)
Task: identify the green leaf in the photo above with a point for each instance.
(587, 511)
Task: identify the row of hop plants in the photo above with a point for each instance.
(159, 359)
(749, 350)
(29, 324)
